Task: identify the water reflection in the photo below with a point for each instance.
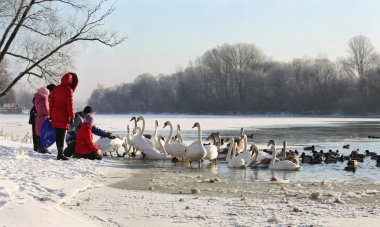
(322, 172)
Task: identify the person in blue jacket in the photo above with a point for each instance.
(74, 128)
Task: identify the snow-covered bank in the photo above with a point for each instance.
(34, 186)
(37, 190)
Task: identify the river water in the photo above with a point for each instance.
(323, 132)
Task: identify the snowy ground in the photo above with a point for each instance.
(37, 190)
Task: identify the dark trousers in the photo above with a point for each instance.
(70, 149)
(91, 156)
(36, 139)
(60, 138)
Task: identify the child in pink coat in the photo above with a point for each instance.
(41, 102)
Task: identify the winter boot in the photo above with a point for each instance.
(36, 144)
(42, 149)
(60, 155)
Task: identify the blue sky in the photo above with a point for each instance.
(164, 35)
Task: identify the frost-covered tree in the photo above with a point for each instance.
(40, 36)
(362, 55)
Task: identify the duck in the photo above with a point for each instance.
(232, 161)
(175, 149)
(347, 146)
(306, 158)
(280, 165)
(310, 148)
(356, 156)
(368, 153)
(196, 151)
(352, 165)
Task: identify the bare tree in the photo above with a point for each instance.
(363, 55)
(39, 35)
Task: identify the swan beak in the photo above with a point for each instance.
(165, 124)
(133, 119)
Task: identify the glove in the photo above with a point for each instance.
(110, 136)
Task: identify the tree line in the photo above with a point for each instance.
(239, 78)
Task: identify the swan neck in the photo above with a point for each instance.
(273, 148)
(143, 126)
(245, 143)
(161, 146)
(218, 141)
(155, 130)
(228, 158)
(199, 135)
(170, 134)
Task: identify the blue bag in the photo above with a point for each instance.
(47, 135)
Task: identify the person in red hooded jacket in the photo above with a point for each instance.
(61, 109)
(84, 146)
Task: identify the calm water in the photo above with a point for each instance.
(324, 133)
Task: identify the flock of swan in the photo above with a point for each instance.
(236, 154)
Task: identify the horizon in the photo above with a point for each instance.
(163, 36)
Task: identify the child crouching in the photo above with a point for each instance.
(84, 147)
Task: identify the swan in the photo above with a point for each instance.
(174, 148)
(240, 142)
(245, 154)
(135, 129)
(196, 151)
(154, 137)
(178, 137)
(127, 142)
(280, 165)
(109, 145)
(140, 141)
(212, 149)
(260, 159)
(292, 156)
(153, 153)
(232, 161)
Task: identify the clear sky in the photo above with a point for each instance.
(164, 35)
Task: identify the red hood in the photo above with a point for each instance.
(70, 79)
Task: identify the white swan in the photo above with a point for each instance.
(127, 142)
(260, 159)
(292, 156)
(281, 165)
(174, 148)
(212, 150)
(154, 137)
(140, 141)
(178, 137)
(232, 161)
(245, 153)
(153, 153)
(109, 145)
(240, 143)
(196, 151)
